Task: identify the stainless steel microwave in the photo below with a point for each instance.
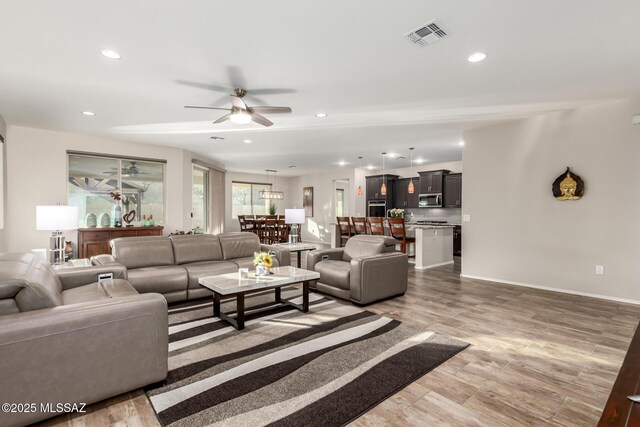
(431, 200)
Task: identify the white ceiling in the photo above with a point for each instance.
(346, 58)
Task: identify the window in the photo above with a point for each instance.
(140, 183)
(200, 200)
(339, 202)
(246, 199)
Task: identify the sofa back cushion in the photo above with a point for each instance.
(139, 252)
(29, 282)
(365, 245)
(196, 248)
(239, 245)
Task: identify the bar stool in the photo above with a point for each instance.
(376, 226)
(399, 232)
(345, 229)
(359, 225)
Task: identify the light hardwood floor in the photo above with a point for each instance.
(537, 358)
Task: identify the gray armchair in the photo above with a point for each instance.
(366, 270)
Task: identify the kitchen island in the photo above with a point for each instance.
(434, 244)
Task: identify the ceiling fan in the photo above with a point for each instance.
(131, 170)
(241, 114)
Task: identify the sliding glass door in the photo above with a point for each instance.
(200, 200)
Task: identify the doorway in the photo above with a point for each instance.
(341, 197)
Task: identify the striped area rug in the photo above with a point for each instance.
(321, 368)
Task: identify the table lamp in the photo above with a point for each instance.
(56, 219)
(295, 217)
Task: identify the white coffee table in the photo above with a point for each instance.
(232, 284)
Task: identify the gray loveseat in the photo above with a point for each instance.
(366, 270)
(172, 265)
(65, 338)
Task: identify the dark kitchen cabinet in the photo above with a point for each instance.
(452, 194)
(373, 185)
(432, 181)
(457, 240)
(402, 199)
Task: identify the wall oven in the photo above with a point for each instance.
(377, 208)
(431, 200)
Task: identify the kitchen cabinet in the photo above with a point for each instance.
(373, 185)
(432, 181)
(452, 194)
(402, 199)
(457, 240)
(95, 241)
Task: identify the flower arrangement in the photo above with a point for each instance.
(262, 258)
(263, 262)
(396, 213)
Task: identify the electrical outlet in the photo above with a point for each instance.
(466, 218)
(600, 270)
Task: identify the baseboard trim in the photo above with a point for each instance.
(548, 288)
(425, 267)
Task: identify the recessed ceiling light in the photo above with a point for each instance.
(392, 155)
(370, 167)
(419, 160)
(342, 163)
(400, 157)
(111, 54)
(477, 57)
(247, 141)
(461, 143)
(321, 115)
(88, 113)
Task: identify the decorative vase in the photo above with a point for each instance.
(117, 217)
(105, 220)
(262, 270)
(91, 220)
(68, 251)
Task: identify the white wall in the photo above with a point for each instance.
(318, 228)
(37, 175)
(3, 190)
(520, 233)
(282, 184)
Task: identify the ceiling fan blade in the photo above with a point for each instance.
(207, 108)
(215, 88)
(270, 110)
(261, 120)
(238, 102)
(281, 91)
(223, 119)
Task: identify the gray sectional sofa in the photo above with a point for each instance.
(172, 265)
(67, 338)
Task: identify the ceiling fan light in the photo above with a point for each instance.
(240, 118)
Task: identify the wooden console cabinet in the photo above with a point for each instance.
(95, 241)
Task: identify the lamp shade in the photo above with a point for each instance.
(52, 218)
(294, 216)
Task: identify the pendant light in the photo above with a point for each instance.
(360, 186)
(272, 194)
(411, 188)
(383, 189)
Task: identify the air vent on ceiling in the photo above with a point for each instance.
(426, 34)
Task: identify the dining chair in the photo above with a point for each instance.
(345, 228)
(243, 223)
(283, 231)
(376, 226)
(359, 225)
(399, 232)
(270, 234)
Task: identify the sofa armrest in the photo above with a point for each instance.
(283, 255)
(378, 277)
(316, 256)
(81, 353)
(74, 277)
(104, 259)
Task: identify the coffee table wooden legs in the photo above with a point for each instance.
(238, 321)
